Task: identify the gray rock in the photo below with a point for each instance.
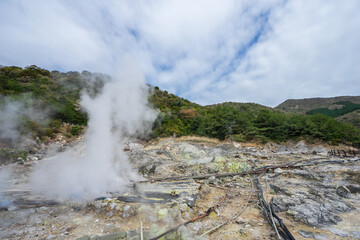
(191, 200)
(93, 237)
(12, 208)
(280, 190)
(195, 226)
(282, 203)
(133, 235)
(187, 216)
(185, 233)
(155, 230)
(301, 147)
(183, 207)
(317, 214)
(113, 236)
(113, 205)
(302, 173)
(175, 213)
(339, 232)
(355, 234)
(353, 188)
(97, 204)
(239, 220)
(320, 151)
(318, 206)
(111, 228)
(129, 211)
(205, 189)
(343, 191)
(321, 237)
(86, 237)
(147, 170)
(212, 179)
(110, 214)
(163, 213)
(306, 234)
(213, 169)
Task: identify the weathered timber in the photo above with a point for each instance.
(281, 229)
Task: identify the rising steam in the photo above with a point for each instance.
(14, 114)
(120, 110)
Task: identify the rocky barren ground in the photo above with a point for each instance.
(314, 202)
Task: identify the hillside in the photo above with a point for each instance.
(345, 109)
(46, 104)
(69, 185)
(245, 122)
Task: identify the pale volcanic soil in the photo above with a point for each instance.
(314, 202)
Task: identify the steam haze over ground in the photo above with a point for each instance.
(13, 114)
(120, 110)
(4, 177)
(205, 51)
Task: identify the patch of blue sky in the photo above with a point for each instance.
(133, 32)
(168, 62)
(262, 20)
(164, 67)
(59, 68)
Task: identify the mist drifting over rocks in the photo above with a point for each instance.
(118, 111)
(5, 175)
(14, 115)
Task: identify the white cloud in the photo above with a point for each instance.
(203, 50)
(45, 34)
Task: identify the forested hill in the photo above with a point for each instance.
(344, 108)
(58, 93)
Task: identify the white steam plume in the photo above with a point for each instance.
(120, 110)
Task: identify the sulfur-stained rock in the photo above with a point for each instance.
(185, 233)
(163, 213)
(175, 213)
(155, 230)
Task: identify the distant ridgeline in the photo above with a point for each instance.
(58, 95)
(345, 107)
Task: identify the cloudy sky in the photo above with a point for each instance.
(208, 51)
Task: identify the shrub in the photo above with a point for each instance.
(76, 130)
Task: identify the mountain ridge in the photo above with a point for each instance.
(330, 106)
(60, 94)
